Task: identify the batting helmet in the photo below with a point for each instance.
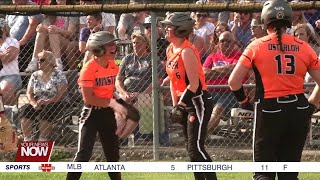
(276, 10)
(97, 40)
(182, 21)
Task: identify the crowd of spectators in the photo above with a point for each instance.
(220, 37)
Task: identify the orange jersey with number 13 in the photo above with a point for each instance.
(279, 73)
(176, 70)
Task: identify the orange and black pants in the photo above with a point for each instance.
(95, 120)
(195, 132)
(280, 131)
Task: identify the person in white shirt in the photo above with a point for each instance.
(10, 79)
(204, 29)
(108, 19)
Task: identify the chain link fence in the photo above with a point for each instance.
(220, 36)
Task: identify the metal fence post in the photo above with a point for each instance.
(155, 85)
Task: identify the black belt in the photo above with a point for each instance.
(284, 99)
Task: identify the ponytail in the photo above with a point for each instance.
(278, 26)
(279, 39)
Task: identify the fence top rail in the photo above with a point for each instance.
(123, 8)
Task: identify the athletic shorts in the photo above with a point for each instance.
(49, 112)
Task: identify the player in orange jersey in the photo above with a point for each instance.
(97, 82)
(282, 112)
(192, 103)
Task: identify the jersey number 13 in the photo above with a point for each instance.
(290, 64)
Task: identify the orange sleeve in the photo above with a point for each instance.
(247, 56)
(314, 61)
(86, 78)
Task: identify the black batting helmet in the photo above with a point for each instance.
(182, 21)
(276, 10)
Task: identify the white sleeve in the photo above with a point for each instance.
(12, 42)
(210, 28)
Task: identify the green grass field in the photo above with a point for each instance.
(138, 176)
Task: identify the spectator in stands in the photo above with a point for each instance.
(217, 69)
(215, 17)
(241, 28)
(204, 29)
(303, 32)
(220, 28)
(298, 18)
(162, 43)
(312, 16)
(199, 44)
(46, 93)
(317, 29)
(108, 21)
(60, 32)
(130, 23)
(10, 79)
(93, 25)
(257, 29)
(134, 81)
(23, 28)
(257, 15)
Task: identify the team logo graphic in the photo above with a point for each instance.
(46, 167)
(220, 63)
(280, 15)
(34, 151)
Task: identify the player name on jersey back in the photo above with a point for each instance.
(285, 47)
